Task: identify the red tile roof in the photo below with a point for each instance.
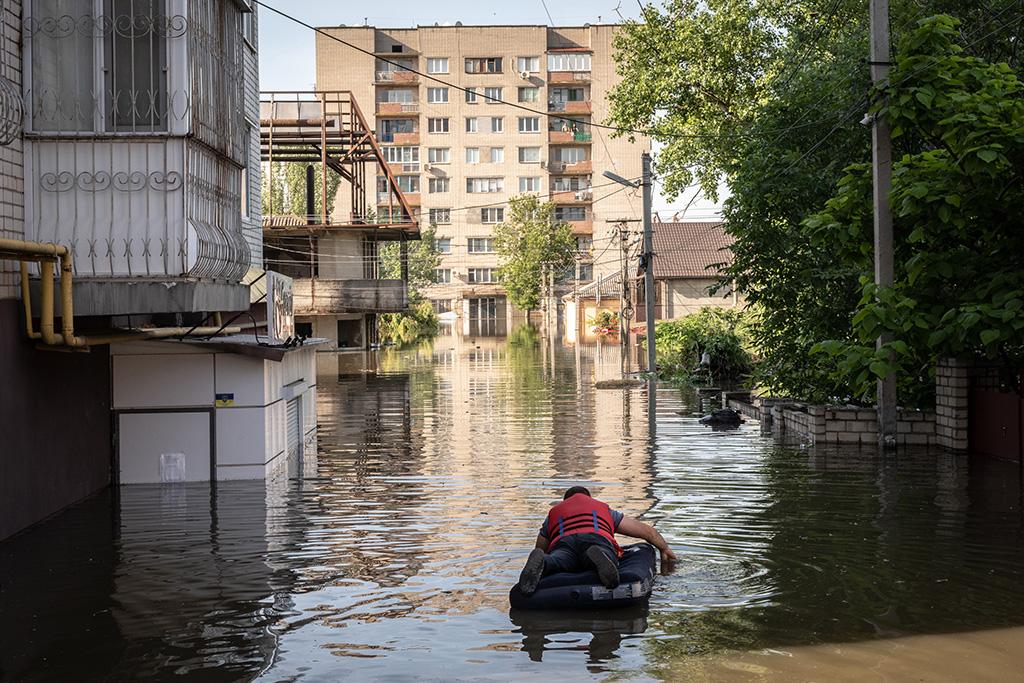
(690, 250)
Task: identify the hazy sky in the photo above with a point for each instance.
(287, 50)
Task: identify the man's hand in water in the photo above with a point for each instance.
(668, 560)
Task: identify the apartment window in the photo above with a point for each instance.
(529, 184)
(471, 125)
(483, 65)
(493, 95)
(437, 95)
(386, 214)
(249, 26)
(405, 183)
(570, 155)
(485, 185)
(481, 275)
(572, 61)
(401, 155)
(528, 64)
(388, 127)
(529, 124)
(397, 95)
(438, 185)
(442, 276)
(442, 305)
(497, 155)
(529, 155)
(440, 217)
(529, 94)
(471, 95)
(443, 244)
(586, 271)
(481, 245)
(497, 124)
(438, 125)
(472, 155)
(584, 243)
(492, 215)
(133, 64)
(570, 183)
(570, 213)
(439, 155)
(437, 65)
(567, 95)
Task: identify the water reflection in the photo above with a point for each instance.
(394, 558)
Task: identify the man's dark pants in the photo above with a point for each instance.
(569, 553)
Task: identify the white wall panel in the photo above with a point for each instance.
(164, 380)
(143, 437)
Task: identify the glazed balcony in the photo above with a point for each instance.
(568, 77)
(398, 108)
(316, 296)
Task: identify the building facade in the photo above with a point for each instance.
(129, 143)
(509, 113)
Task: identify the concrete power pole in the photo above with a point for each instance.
(881, 146)
(649, 263)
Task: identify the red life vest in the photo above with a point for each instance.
(581, 514)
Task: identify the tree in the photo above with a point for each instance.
(423, 257)
(768, 95)
(530, 239)
(289, 188)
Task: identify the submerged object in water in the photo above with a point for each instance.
(583, 590)
(726, 417)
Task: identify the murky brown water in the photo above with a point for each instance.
(394, 560)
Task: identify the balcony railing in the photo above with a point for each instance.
(311, 296)
(572, 196)
(576, 107)
(400, 168)
(397, 108)
(413, 198)
(396, 77)
(565, 137)
(577, 167)
(568, 77)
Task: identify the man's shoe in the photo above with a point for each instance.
(532, 572)
(607, 568)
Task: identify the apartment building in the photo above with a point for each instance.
(130, 239)
(510, 112)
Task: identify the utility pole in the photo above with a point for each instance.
(648, 260)
(624, 364)
(881, 154)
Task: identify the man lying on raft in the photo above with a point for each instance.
(579, 533)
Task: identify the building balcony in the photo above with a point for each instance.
(398, 108)
(568, 77)
(412, 138)
(571, 107)
(571, 169)
(404, 168)
(395, 77)
(572, 196)
(568, 137)
(583, 227)
(413, 198)
(319, 296)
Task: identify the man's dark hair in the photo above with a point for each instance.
(572, 491)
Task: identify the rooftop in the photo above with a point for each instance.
(690, 250)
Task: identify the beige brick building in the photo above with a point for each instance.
(461, 155)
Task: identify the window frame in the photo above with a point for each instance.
(536, 61)
(534, 119)
(443, 90)
(438, 59)
(491, 99)
(432, 119)
(519, 155)
(435, 182)
(446, 154)
(444, 213)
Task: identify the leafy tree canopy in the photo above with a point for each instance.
(423, 257)
(529, 238)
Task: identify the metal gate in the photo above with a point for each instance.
(995, 424)
(293, 432)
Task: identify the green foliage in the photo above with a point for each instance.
(529, 238)
(405, 328)
(767, 95)
(423, 258)
(956, 197)
(605, 323)
(721, 333)
(289, 189)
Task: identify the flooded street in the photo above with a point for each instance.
(392, 558)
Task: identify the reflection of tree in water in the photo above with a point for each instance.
(861, 548)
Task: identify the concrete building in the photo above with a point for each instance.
(129, 147)
(498, 111)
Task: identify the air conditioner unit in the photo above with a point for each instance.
(525, 75)
(543, 164)
(426, 167)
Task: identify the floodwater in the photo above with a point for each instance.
(392, 557)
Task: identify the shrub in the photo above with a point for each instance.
(418, 321)
(605, 323)
(721, 333)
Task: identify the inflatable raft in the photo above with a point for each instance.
(583, 590)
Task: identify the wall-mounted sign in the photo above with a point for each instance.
(280, 315)
(224, 400)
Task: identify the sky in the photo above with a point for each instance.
(287, 49)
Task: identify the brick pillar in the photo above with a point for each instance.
(951, 401)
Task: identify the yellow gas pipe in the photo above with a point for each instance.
(46, 255)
